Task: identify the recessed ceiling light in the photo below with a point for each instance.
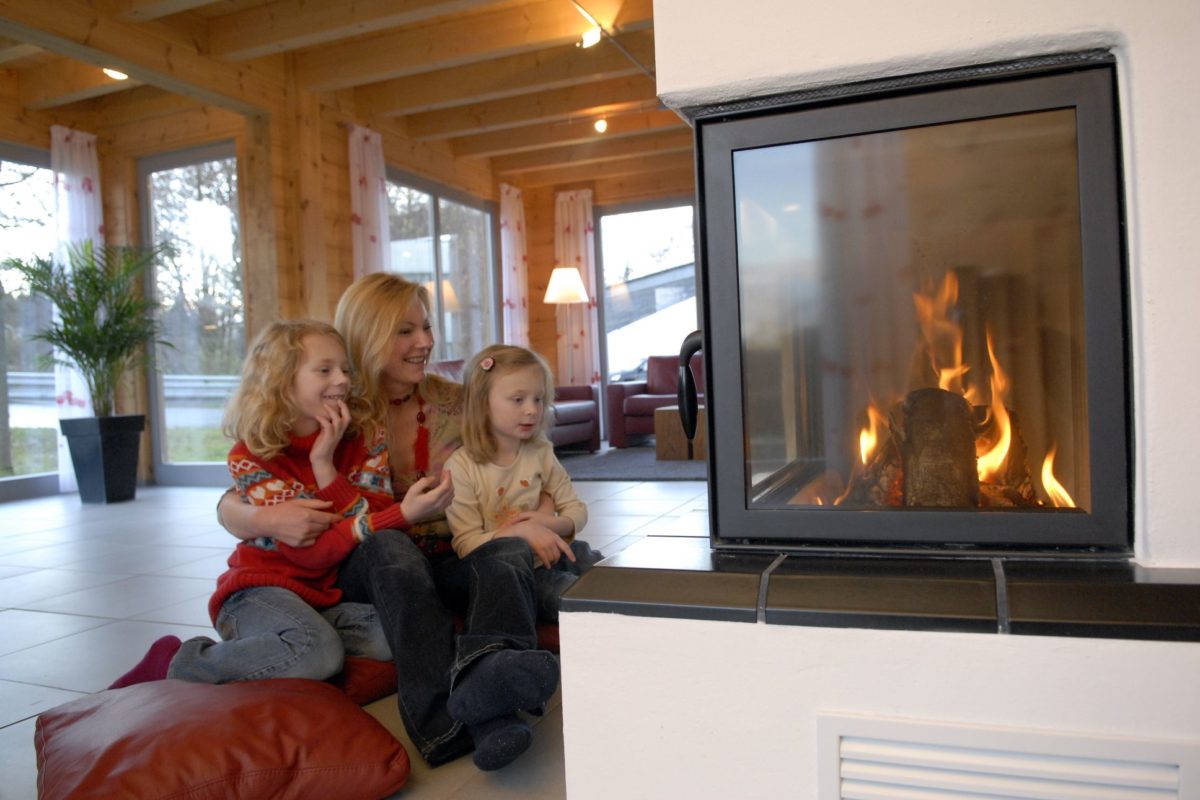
(601, 125)
(590, 37)
(115, 74)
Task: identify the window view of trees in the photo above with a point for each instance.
(458, 272)
(194, 209)
(28, 415)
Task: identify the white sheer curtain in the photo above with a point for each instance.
(368, 202)
(575, 246)
(78, 215)
(514, 285)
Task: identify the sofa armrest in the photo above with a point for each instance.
(565, 393)
(614, 396)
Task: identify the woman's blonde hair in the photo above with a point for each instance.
(368, 314)
(479, 376)
(262, 411)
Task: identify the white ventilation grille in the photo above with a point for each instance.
(864, 758)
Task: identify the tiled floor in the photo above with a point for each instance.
(84, 589)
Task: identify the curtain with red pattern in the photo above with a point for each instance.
(578, 326)
(514, 284)
(368, 202)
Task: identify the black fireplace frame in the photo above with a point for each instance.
(1085, 81)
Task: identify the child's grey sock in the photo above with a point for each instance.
(503, 682)
(499, 741)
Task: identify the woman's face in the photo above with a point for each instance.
(412, 343)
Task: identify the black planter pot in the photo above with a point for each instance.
(104, 451)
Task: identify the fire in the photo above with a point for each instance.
(943, 336)
(868, 437)
(992, 452)
(1057, 494)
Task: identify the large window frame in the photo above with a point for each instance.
(39, 484)
(601, 212)
(167, 473)
(438, 193)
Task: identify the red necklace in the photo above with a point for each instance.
(421, 446)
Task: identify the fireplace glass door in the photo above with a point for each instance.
(915, 322)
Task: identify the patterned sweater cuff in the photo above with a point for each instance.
(341, 493)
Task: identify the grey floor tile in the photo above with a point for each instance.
(591, 491)
(208, 568)
(88, 661)
(29, 628)
(43, 583)
(615, 506)
(618, 525)
(192, 612)
(680, 491)
(125, 598)
(8, 572)
(20, 701)
(18, 761)
(145, 560)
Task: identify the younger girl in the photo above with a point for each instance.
(506, 467)
(301, 433)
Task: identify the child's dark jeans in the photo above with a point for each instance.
(550, 583)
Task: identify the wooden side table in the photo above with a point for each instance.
(669, 442)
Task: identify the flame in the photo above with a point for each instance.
(943, 336)
(992, 451)
(1057, 494)
(868, 437)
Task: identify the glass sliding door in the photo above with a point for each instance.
(28, 413)
(647, 258)
(192, 206)
(459, 270)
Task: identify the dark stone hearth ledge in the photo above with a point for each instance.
(682, 578)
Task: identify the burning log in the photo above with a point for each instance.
(1013, 486)
(937, 450)
(880, 482)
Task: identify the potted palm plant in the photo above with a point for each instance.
(105, 322)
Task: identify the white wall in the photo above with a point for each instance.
(733, 50)
(666, 708)
(678, 708)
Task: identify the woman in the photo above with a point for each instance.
(407, 574)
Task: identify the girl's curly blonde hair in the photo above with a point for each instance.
(368, 314)
(261, 412)
(479, 376)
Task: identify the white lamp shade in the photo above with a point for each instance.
(566, 286)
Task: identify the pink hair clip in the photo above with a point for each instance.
(487, 364)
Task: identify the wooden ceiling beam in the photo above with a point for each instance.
(291, 24)
(453, 42)
(533, 137)
(595, 152)
(586, 99)
(146, 10)
(65, 81)
(73, 29)
(639, 165)
(540, 70)
(11, 50)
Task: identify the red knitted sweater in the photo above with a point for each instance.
(362, 495)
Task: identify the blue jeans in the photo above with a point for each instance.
(551, 583)
(493, 588)
(269, 632)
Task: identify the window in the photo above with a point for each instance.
(29, 417)
(647, 259)
(192, 206)
(460, 272)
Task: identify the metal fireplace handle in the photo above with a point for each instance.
(687, 384)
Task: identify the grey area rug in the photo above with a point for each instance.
(629, 464)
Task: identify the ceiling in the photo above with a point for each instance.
(501, 80)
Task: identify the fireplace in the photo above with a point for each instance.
(915, 314)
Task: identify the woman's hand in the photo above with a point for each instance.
(547, 546)
(333, 427)
(428, 498)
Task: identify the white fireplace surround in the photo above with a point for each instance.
(738, 50)
(687, 708)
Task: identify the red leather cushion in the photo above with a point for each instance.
(365, 680)
(284, 738)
